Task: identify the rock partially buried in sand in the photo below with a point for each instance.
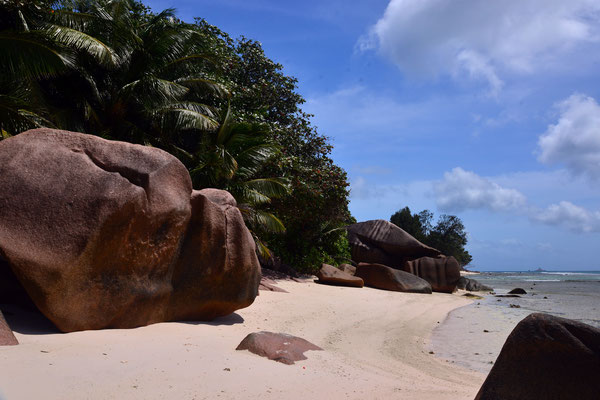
(7, 337)
(546, 357)
(386, 278)
(105, 234)
(330, 275)
(381, 242)
(279, 347)
(517, 291)
(442, 273)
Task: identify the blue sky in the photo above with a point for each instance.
(485, 110)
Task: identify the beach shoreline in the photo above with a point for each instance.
(375, 346)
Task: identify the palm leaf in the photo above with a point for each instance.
(271, 187)
(205, 86)
(80, 41)
(25, 54)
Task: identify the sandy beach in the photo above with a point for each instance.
(376, 346)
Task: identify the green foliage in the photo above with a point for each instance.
(116, 69)
(448, 235)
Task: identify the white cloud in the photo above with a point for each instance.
(575, 139)
(479, 68)
(481, 36)
(569, 215)
(461, 190)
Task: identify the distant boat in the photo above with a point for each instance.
(540, 270)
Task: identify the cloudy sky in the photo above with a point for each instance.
(488, 110)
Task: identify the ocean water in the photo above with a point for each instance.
(472, 336)
(568, 294)
(541, 276)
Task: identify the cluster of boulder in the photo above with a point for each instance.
(389, 258)
(105, 234)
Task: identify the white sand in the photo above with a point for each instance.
(375, 348)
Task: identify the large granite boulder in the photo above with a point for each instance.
(330, 275)
(381, 242)
(442, 273)
(105, 234)
(383, 277)
(546, 357)
(279, 347)
(472, 285)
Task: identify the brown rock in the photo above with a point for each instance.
(442, 273)
(217, 271)
(267, 284)
(330, 275)
(103, 234)
(546, 357)
(7, 337)
(472, 285)
(386, 278)
(380, 241)
(517, 291)
(279, 347)
(349, 269)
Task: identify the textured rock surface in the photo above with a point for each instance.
(279, 347)
(350, 269)
(7, 337)
(381, 242)
(383, 277)
(330, 275)
(471, 285)
(517, 291)
(546, 357)
(442, 273)
(108, 234)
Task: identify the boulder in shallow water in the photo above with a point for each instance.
(383, 277)
(546, 357)
(330, 275)
(472, 285)
(106, 234)
(442, 273)
(517, 291)
(279, 347)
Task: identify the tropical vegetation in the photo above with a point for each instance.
(116, 69)
(448, 235)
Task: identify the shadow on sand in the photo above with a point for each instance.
(27, 321)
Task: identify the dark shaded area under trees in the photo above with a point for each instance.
(447, 235)
(120, 71)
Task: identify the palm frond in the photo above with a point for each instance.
(174, 118)
(152, 91)
(263, 220)
(27, 55)
(271, 187)
(205, 86)
(81, 41)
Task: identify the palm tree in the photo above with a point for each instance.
(150, 88)
(39, 43)
(233, 158)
